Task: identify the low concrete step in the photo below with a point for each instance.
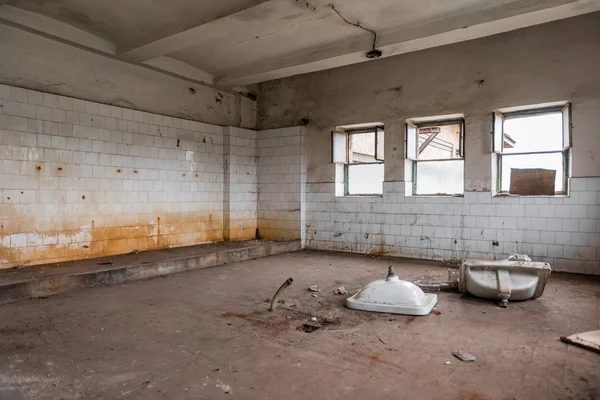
(50, 279)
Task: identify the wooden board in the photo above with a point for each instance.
(532, 181)
(588, 340)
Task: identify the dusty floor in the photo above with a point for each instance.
(207, 334)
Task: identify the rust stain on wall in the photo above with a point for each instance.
(21, 244)
(271, 230)
(242, 229)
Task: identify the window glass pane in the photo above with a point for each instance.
(439, 142)
(380, 142)
(340, 147)
(440, 177)
(498, 132)
(566, 120)
(552, 161)
(362, 147)
(365, 179)
(411, 142)
(533, 133)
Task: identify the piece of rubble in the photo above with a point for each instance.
(314, 295)
(587, 340)
(466, 357)
(447, 363)
(314, 288)
(341, 290)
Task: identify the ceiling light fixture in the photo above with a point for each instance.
(373, 53)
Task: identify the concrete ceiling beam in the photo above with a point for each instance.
(173, 40)
(180, 68)
(57, 30)
(50, 27)
(490, 21)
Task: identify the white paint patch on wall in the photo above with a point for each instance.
(28, 241)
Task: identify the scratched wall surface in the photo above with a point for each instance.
(81, 179)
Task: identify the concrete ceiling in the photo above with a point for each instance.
(239, 42)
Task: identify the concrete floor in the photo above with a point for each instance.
(207, 334)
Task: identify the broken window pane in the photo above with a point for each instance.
(440, 177)
(533, 133)
(365, 179)
(439, 142)
(548, 161)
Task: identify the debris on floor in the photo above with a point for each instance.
(308, 328)
(588, 340)
(466, 357)
(314, 288)
(226, 388)
(314, 295)
(274, 301)
(341, 290)
(433, 284)
(447, 363)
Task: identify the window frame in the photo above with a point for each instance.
(376, 129)
(412, 128)
(498, 118)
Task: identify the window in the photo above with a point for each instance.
(435, 146)
(532, 146)
(358, 155)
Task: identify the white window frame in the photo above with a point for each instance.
(412, 150)
(498, 118)
(340, 151)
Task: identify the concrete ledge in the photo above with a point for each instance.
(47, 280)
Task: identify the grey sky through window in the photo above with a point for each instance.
(534, 133)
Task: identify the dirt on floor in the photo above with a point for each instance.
(208, 334)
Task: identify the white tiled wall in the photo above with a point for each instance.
(240, 193)
(281, 182)
(564, 231)
(81, 179)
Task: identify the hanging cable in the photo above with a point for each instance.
(306, 4)
(374, 53)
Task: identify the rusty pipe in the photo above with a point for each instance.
(287, 283)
